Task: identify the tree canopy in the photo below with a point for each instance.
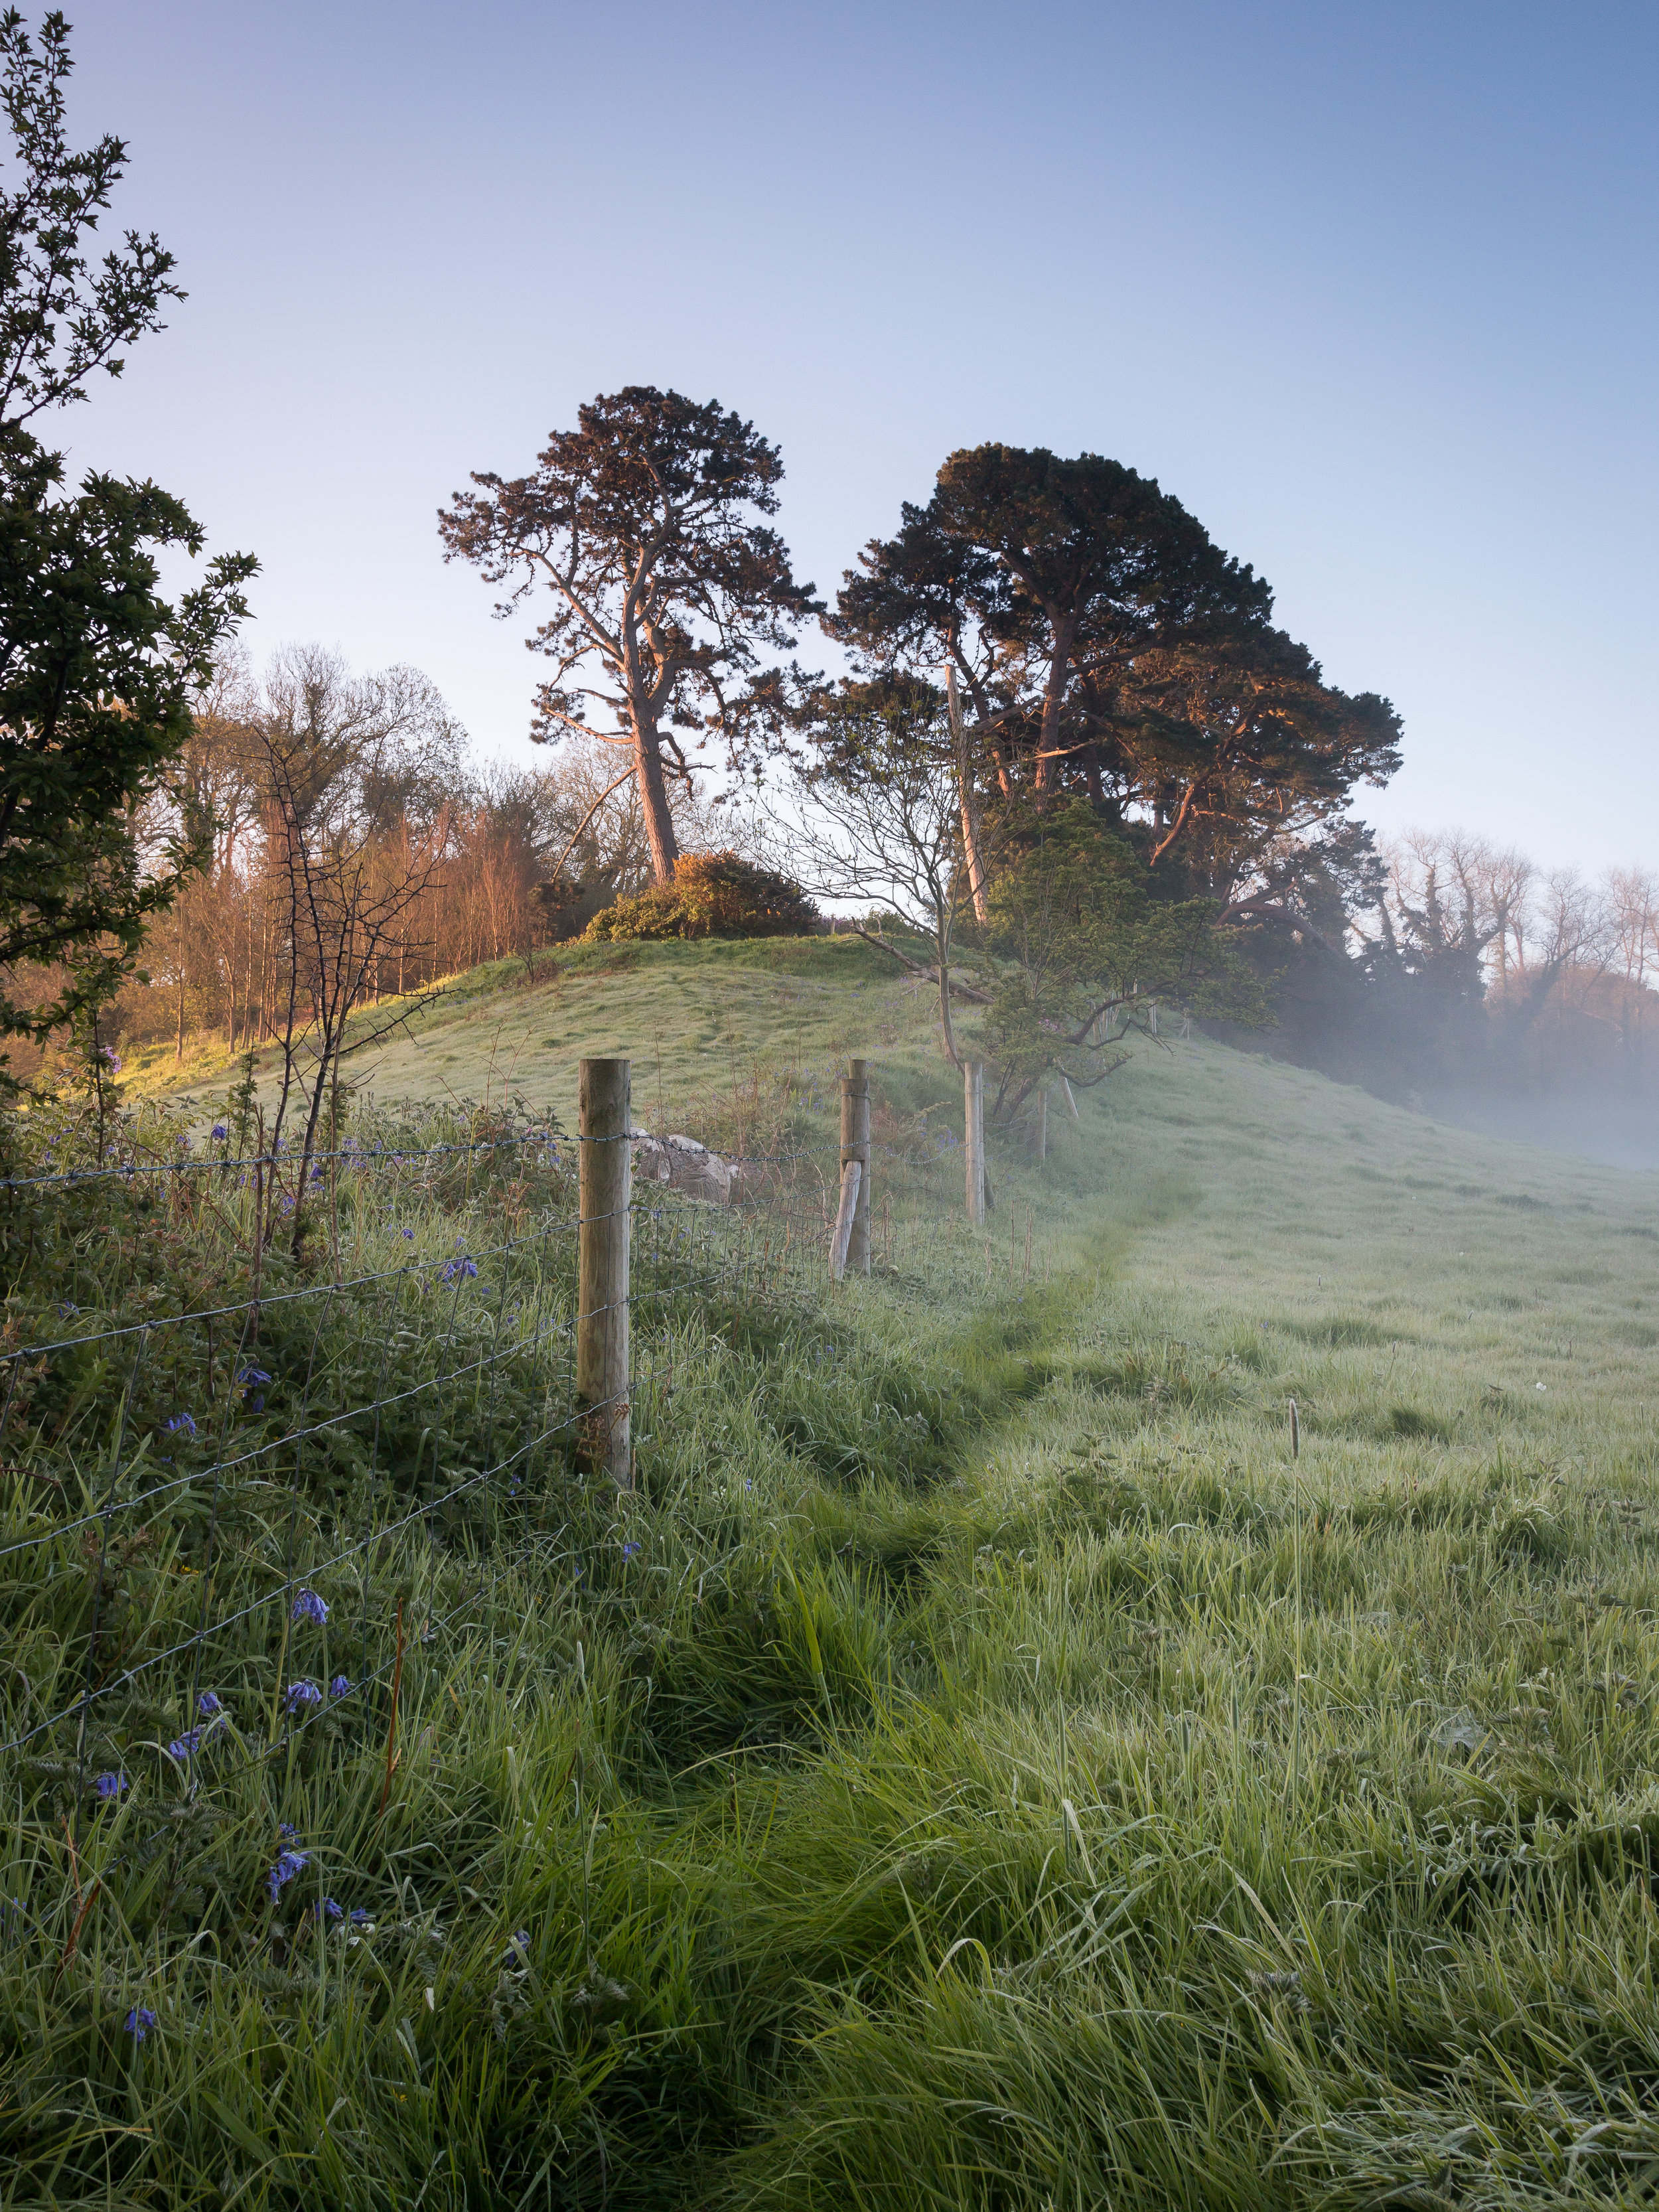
(646, 524)
(1108, 646)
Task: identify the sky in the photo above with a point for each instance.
(1369, 286)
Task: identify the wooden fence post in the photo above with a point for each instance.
(605, 1183)
(840, 1236)
(855, 1145)
(1041, 1145)
(973, 1091)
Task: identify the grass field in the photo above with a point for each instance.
(1001, 1775)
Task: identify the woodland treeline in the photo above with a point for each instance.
(1449, 963)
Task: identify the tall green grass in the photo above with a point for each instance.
(977, 1767)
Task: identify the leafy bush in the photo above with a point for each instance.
(713, 895)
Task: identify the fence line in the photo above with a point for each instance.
(236, 1511)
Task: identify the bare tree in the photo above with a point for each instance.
(341, 756)
(883, 801)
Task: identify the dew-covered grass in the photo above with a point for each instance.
(979, 1767)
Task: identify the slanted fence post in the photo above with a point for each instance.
(973, 1092)
(855, 1145)
(605, 1184)
(840, 1236)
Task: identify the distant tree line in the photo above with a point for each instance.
(355, 846)
(1442, 962)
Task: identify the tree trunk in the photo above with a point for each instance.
(970, 841)
(1054, 698)
(654, 802)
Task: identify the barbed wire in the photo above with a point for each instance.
(694, 1245)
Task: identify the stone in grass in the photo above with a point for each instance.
(685, 1165)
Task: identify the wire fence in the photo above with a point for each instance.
(270, 1423)
(267, 1424)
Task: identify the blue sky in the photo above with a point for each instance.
(1370, 287)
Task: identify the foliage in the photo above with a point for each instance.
(97, 670)
(1108, 646)
(1093, 951)
(712, 895)
(646, 525)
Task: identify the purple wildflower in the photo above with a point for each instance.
(113, 1058)
(218, 1134)
(328, 1910)
(462, 1270)
(358, 1918)
(340, 1687)
(110, 1785)
(630, 1551)
(140, 2021)
(246, 1376)
(300, 1694)
(309, 1607)
(185, 1746)
(288, 1864)
(517, 1948)
(209, 1706)
(410, 1233)
(288, 1831)
(181, 1424)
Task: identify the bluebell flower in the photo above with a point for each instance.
(113, 1058)
(181, 1424)
(309, 1607)
(463, 1269)
(630, 1551)
(209, 1706)
(140, 2021)
(519, 1947)
(328, 1910)
(300, 1694)
(185, 1746)
(110, 1785)
(410, 1233)
(340, 1687)
(288, 1831)
(246, 1376)
(359, 1918)
(288, 1864)
(68, 1311)
(316, 1175)
(218, 1134)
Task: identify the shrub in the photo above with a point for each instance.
(712, 895)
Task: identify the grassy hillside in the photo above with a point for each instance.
(980, 1768)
